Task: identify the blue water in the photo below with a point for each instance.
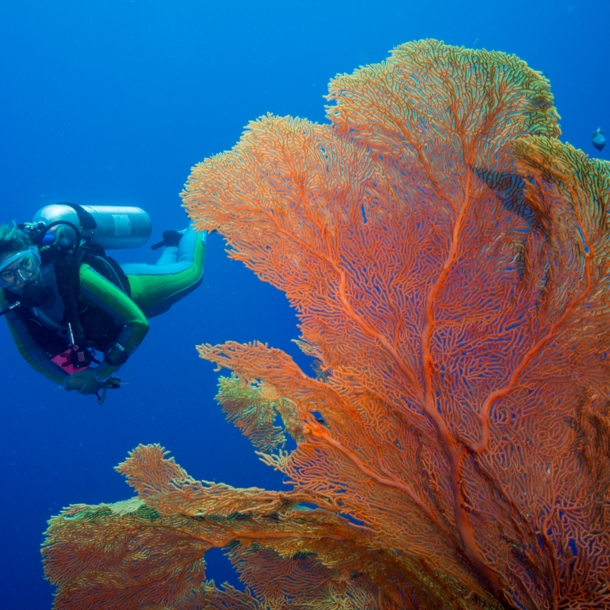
(112, 103)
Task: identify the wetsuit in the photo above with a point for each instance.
(107, 314)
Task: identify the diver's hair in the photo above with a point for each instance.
(13, 239)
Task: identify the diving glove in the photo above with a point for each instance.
(84, 382)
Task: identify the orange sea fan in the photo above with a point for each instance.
(449, 262)
(460, 318)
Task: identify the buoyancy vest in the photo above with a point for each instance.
(94, 327)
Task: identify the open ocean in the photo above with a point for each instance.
(112, 103)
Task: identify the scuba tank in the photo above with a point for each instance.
(109, 226)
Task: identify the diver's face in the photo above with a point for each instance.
(20, 272)
(36, 278)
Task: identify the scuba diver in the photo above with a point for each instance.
(74, 313)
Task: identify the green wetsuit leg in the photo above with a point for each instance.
(155, 288)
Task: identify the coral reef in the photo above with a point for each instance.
(448, 258)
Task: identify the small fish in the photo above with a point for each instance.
(598, 139)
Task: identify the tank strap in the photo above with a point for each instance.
(87, 222)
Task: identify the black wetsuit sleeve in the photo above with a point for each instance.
(30, 350)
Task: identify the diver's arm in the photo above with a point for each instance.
(97, 290)
(31, 351)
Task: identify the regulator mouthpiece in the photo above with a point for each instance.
(35, 295)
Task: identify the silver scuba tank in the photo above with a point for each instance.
(114, 227)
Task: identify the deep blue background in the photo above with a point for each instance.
(113, 102)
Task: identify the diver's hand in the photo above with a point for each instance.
(84, 382)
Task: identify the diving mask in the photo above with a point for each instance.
(20, 267)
